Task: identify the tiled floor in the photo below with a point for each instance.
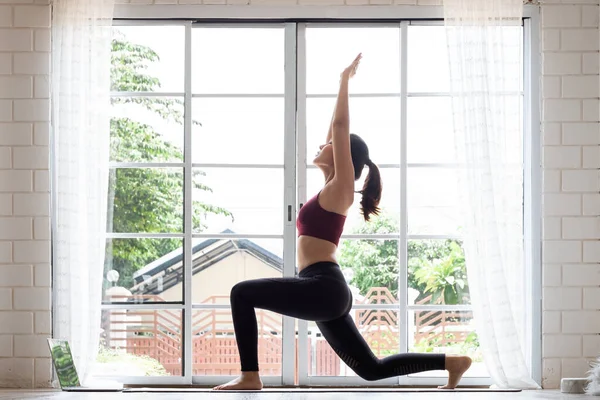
(290, 395)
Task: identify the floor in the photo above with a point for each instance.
(265, 395)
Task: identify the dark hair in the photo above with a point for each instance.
(371, 191)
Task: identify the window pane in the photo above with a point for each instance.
(427, 57)
(437, 272)
(375, 119)
(389, 205)
(140, 343)
(433, 201)
(378, 327)
(430, 132)
(502, 130)
(218, 264)
(450, 332)
(146, 129)
(371, 266)
(145, 200)
(148, 58)
(215, 348)
(240, 200)
(330, 50)
(232, 131)
(238, 60)
(142, 270)
(428, 66)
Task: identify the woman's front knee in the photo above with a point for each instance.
(238, 290)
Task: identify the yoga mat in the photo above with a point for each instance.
(316, 390)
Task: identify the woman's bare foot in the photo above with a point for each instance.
(456, 367)
(249, 380)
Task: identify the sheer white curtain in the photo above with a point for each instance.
(81, 34)
(484, 49)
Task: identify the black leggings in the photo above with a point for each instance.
(319, 294)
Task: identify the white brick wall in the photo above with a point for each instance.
(571, 204)
(25, 291)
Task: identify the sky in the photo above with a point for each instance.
(250, 130)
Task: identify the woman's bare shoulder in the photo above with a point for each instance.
(336, 198)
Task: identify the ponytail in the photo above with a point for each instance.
(371, 192)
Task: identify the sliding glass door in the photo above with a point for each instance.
(202, 161)
(213, 132)
(406, 267)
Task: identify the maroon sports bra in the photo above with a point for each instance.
(315, 221)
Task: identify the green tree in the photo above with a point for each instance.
(445, 277)
(148, 200)
(375, 262)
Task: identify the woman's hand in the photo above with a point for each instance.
(350, 71)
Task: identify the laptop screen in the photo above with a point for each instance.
(63, 363)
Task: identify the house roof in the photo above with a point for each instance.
(204, 255)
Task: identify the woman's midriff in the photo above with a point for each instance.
(311, 250)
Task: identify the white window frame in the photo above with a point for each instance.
(295, 144)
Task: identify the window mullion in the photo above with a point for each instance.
(289, 252)
(403, 245)
(188, 212)
(301, 168)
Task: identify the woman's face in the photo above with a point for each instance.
(325, 155)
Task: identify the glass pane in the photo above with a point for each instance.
(238, 60)
(430, 132)
(215, 348)
(390, 201)
(240, 200)
(236, 130)
(140, 343)
(146, 129)
(145, 200)
(379, 328)
(437, 272)
(148, 58)
(450, 332)
(433, 201)
(218, 264)
(142, 270)
(371, 266)
(428, 65)
(428, 69)
(375, 119)
(330, 50)
(505, 132)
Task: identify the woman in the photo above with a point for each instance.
(320, 292)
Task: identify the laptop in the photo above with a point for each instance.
(65, 369)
